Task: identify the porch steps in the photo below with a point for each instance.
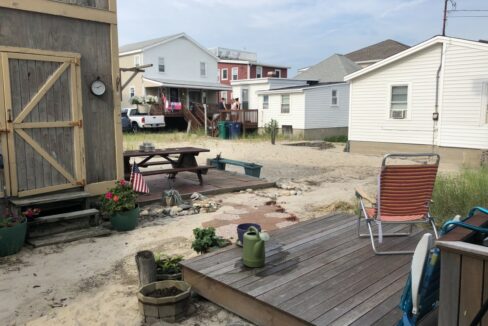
(51, 198)
(64, 217)
(69, 236)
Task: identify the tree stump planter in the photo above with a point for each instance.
(125, 221)
(12, 239)
(171, 308)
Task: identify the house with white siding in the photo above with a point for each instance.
(315, 104)
(431, 97)
(183, 71)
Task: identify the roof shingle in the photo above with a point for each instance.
(332, 69)
(378, 51)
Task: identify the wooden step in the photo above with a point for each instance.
(51, 198)
(64, 216)
(69, 236)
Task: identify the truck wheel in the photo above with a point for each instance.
(135, 128)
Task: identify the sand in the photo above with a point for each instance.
(94, 281)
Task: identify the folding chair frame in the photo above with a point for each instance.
(369, 221)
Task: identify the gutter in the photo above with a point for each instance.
(435, 115)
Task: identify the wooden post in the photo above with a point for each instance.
(146, 267)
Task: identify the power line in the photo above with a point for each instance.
(468, 16)
(454, 10)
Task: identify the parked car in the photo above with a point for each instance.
(139, 120)
(125, 121)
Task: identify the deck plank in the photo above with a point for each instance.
(317, 272)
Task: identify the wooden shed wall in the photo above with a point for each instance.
(92, 40)
(99, 4)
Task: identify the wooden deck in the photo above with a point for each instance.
(214, 182)
(317, 272)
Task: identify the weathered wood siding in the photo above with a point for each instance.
(99, 4)
(92, 41)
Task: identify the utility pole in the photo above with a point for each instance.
(444, 21)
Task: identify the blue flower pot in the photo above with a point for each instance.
(242, 228)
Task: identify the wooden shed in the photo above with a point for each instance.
(55, 133)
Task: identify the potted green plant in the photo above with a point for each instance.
(271, 128)
(120, 204)
(206, 240)
(168, 267)
(13, 229)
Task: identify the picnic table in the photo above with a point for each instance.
(181, 159)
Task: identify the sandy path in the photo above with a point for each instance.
(92, 282)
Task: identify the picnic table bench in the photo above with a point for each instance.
(251, 169)
(181, 159)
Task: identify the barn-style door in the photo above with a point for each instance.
(40, 122)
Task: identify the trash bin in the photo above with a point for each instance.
(223, 132)
(234, 130)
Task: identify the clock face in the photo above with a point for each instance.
(98, 88)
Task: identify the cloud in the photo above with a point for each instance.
(293, 32)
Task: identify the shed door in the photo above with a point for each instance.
(42, 139)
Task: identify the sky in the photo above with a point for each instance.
(298, 33)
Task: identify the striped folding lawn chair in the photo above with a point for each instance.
(404, 196)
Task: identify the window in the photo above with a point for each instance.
(278, 73)
(265, 102)
(259, 72)
(235, 73)
(287, 130)
(399, 102)
(137, 60)
(285, 103)
(132, 92)
(334, 97)
(161, 67)
(224, 74)
(203, 69)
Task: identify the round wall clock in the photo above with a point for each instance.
(98, 87)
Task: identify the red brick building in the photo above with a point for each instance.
(239, 65)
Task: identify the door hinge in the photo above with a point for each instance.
(78, 123)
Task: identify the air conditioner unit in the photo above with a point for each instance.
(398, 114)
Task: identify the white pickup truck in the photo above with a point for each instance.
(139, 120)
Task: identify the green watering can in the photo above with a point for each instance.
(253, 247)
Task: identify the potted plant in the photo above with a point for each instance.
(168, 267)
(206, 240)
(271, 128)
(13, 229)
(120, 204)
(167, 300)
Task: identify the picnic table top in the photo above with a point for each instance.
(166, 151)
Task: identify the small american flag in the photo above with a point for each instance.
(137, 181)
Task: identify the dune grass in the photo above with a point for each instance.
(457, 194)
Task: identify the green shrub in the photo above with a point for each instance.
(205, 239)
(166, 264)
(336, 139)
(457, 194)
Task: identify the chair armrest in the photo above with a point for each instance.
(361, 194)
